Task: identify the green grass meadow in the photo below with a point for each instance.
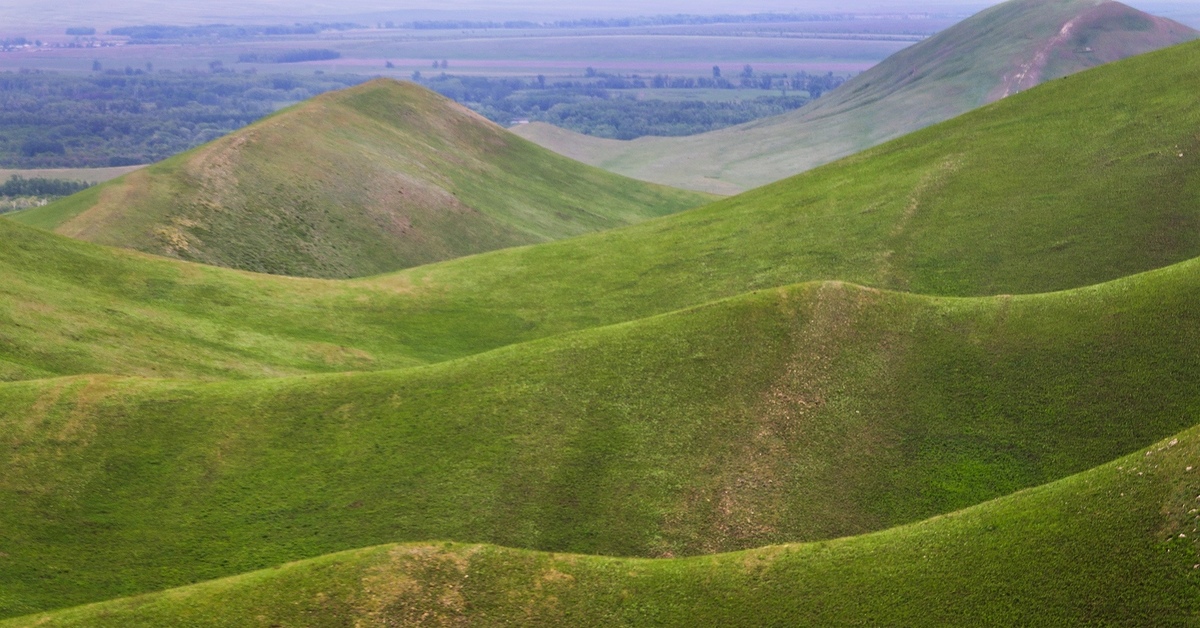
(1103, 547)
(950, 380)
(778, 416)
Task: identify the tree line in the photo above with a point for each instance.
(156, 34)
(20, 193)
(290, 56)
(40, 186)
(626, 22)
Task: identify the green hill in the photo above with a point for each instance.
(1005, 49)
(375, 178)
(215, 422)
(803, 413)
(72, 308)
(967, 207)
(1112, 546)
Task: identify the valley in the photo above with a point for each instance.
(375, 360)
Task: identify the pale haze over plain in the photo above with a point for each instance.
(17, 15)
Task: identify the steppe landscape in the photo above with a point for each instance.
(923, 351)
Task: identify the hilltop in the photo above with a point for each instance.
(374, 178)
(1001, 51)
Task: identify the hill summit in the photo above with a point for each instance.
(1000, 51)
(379, 177)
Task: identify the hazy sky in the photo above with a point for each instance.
(113, 12)
(108, 12)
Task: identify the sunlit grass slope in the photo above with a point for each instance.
(1002, 50)
(795, 413)
(1116, 545)
(804, 413)
(375, 178)
(69, 307)
(1079, 181)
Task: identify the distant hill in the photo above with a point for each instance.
(375, 178)
(1002, 50)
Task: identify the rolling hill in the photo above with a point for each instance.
(1005, 49)
(804, 413)
(965, 208)
(375, 178)
(697, 384)
(1113, 546)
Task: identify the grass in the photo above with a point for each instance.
(431, 181)
(73, 308)
(964, 208)
(946, 75)
(1112, 546)
(685, 387)
(806, 413)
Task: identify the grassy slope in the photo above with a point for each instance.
(964, 208)
(1113, 546)
(796, 414)
(69, 307)
(777, 416)
(967, 207)
(372, 179)
(955, 71)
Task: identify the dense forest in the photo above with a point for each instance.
(135, 117)
(601, 104)
(625, 118)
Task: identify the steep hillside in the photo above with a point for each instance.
(1005, 49)
(805, 413)
(1116, 545)
(375, 178)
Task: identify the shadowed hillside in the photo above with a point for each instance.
(375, 178)
(1005, 49)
